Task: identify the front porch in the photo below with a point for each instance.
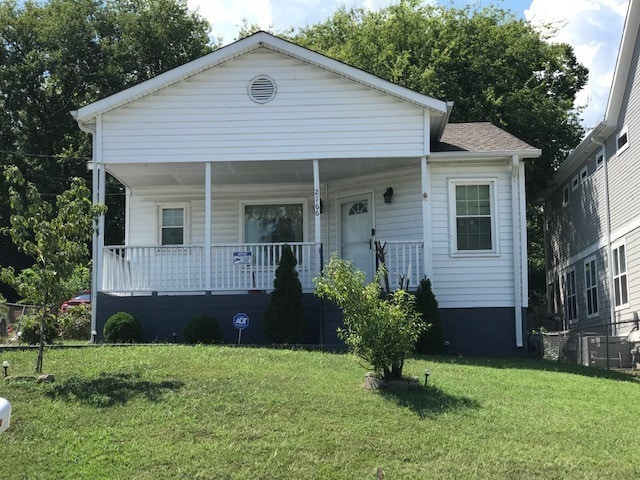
(231, 268)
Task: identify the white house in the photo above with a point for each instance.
(264, 142)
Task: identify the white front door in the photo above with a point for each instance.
(356, 228)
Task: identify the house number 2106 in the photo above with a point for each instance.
(316, 202)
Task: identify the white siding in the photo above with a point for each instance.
(210, 117)
(470, 281)
(225, 206)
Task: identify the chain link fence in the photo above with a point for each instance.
(611, 346)
(10, 314)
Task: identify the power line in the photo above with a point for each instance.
(42, 155)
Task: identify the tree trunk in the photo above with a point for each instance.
(43, 325)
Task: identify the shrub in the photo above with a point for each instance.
(75, 323)
(30, 328)
(123, 328)
(381, 331)
(284, 317)
(431, 340)
(203, 330)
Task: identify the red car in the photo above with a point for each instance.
(83, 298)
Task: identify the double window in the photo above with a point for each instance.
(591, 287)
(473, 217)
(621, 293)
(570, 296)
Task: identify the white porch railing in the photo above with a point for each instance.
(404, 259)
(234, 267)
(181, 268)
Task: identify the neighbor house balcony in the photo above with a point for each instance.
(130, 270)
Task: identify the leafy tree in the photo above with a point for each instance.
(284, 317)
(54, 236)
(383, 332)
(58, 55)
(495, 67)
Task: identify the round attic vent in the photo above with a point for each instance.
(262, 89)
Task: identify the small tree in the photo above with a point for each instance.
(431, 340)
(283, 319)
(381, 331)
(55, 236)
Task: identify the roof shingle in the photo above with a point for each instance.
(478, 137)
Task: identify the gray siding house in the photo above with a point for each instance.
(592, 210)
(262, 143)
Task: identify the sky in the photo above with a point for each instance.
(592, 27)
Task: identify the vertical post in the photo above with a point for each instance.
(94, 243)
(427, 248)
(316, 212)
(207, 225)
(517, 252)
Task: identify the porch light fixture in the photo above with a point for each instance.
(5, 366)
(387, 195)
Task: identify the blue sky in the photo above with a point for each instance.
(593, 27)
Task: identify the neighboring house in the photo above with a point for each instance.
(593, 210)
(264, 142)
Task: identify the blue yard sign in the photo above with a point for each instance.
(240, 321)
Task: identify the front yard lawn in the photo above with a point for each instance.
(173, 412)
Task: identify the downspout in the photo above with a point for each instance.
(517, 252)
(607, 240)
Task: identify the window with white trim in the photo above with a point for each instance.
(599, 161)
(565, 196)
(591, 287)
(473, 217)
(620, 287)
(622, 140)
(273, 223)
(584, 173)
(173, 222)
(575, 182)
(570, 296)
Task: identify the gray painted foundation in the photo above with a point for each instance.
(470, 331)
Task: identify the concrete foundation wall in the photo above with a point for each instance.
(470, 331)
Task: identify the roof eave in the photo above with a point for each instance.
(497, 154)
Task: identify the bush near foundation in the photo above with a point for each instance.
(123, 328)
(204, 330)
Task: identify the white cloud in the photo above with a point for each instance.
(594, 29)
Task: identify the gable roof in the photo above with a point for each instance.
(438, 109)
(610, 122)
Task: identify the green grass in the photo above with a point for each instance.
(173, 412)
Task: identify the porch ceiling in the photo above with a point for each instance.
(253, 172)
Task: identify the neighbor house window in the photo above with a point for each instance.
(273, 223)
(474, 218)
(565, 196)
(620, 276)
(622, 141)
(575, 182)
(591, 287)
(173, 225)
(570, 296)
(584, 173)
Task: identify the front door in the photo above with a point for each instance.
(356, 225)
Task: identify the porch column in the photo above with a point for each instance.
(427, 247)
(207, 225)
(316, 212)
(517, 251)
(99, 182)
